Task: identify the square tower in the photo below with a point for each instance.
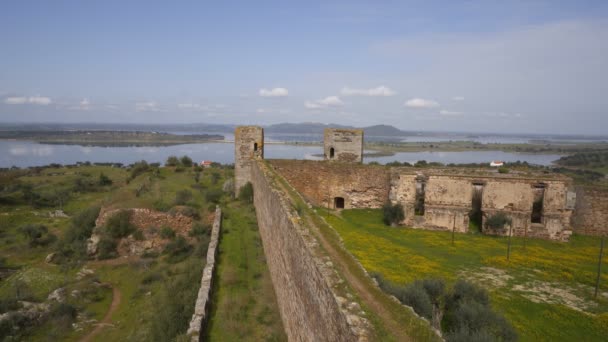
(248, 145)
(344, 145)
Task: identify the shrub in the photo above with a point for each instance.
(172, 161)
(213, 195)
(104, 180)
(182, 197)
(167, 233)
(160, 205)
(139, 168)
(151, 277)
(198, 229)
(106, 248)
(138, 235)
(119, 225)
(246, 193)
(186, 161)
(215, 177)
(498, 220)
(37, 235)
(392, 214)
(177, 250)
(503, 169)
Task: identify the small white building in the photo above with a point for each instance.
(497, 163)
(206, 163)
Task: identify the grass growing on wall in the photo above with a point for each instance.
(244, 306)
(545, 290)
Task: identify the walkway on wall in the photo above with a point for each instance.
(393, 320)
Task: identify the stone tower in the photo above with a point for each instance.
(248, 145)
(344, 145)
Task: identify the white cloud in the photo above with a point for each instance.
(378, 91)
(421, 103)
(274, 92)
(330, 101)
(37, 100)
(260, 110)
(85, 104)
(449, 113)
(458, 98)
(150, 106)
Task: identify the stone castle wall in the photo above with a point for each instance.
(302, 280)
(361, 186)
(248, 146)
(347, 145)
(201, 307)
(591, 214)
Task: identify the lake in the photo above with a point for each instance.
(24, 154)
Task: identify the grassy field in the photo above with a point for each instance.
(544, 290)
(244, 304)
(157, 294)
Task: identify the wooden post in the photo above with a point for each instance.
(525, 234)
(599, 268)
(509, 243)
(453, 229)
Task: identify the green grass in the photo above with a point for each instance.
(138, 312)
(403, 255)
(244, 306)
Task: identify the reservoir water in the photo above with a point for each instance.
(24, 154)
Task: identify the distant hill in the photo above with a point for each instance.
(317, 128)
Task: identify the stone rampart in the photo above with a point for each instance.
(361, 186)
(201, 308)
(303, 281)
(591, 214)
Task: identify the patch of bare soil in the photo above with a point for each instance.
(116, 299)
(488, 276)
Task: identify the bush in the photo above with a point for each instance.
(503, 169)
(172, 161)
(167, 233)
(246, 193)
(73, 243)
(138, 235)
(177, 250)
(119, 225)
(160, 205)
(213, 195)
(182, 197)
(198, 229)
(186, 161)
(139, 168)
(392, 214)
(106, 248)
(498, 221)
(37, 235)
(215, 177)
(186, 211)
(104, 180)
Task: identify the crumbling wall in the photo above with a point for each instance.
(201, 307)
(591, 214)
(248, 145)
(301, 278)
(448, 199)
(361, 186)
(344, 145)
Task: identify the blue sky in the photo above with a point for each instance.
(514, 66)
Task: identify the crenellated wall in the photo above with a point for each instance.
(302, 280)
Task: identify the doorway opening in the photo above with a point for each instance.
(419, 199)
(476, 215)
(255, 147)
(537, 204)
(339, 202)
(331, 153)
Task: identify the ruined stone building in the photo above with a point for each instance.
(537, 204)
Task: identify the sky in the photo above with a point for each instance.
(480, 66)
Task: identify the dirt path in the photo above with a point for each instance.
(363, 291)
(116, 299)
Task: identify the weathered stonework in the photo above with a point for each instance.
(449, 192)
(201, 308)
(361, 186)
(344, 145)
(305, 283)
(591, 214)
(248, 145)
